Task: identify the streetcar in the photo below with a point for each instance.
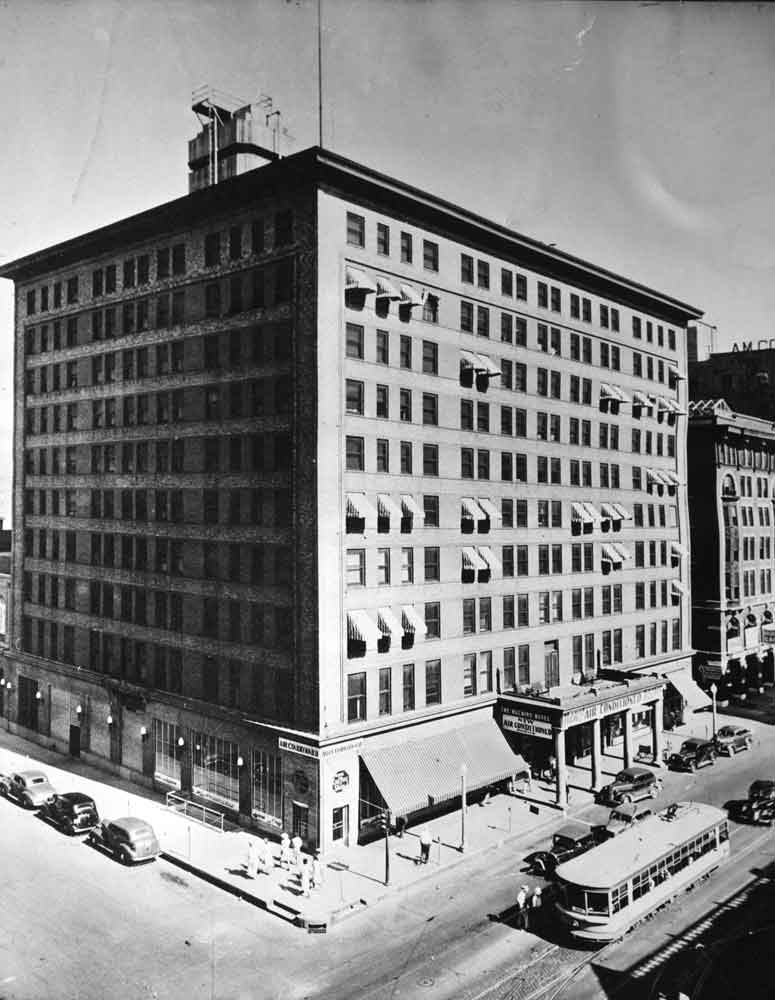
(605, 892)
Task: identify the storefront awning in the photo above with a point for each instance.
(470, 510)
(410, 506)
(387, 507)
(359, 506)
(413, 621)
(388, 623)
(419, 774)
(357, 280)
(386, 290)
(472, 559)
(362, 629)
(410, 297)
(694, 697)
(490, 509)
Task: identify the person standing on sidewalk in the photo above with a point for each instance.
(304, 878)
(285, 851)
(296, 844)
(425, 845)
(535, 907)
(252, 862)
(317, 871)
(522, 908)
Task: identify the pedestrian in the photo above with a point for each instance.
(528, 787)
(425, 845)
(567, 795)
(535, 905)
(522, 907)
(304, 878)
(267, 859)
(296, 844)
(400, 826)
(252, 862)
(659, 782)
(317, 871)
(285, 851)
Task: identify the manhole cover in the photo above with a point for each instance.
(426, 981)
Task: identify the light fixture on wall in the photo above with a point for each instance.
(240, 762)
(8, 685)
(38, 696)
(143, 733)
(78, 710)
(110, 720)
(181, 742)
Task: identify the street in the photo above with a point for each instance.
(76, 924)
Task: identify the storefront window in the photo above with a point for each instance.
(267, 787)
(215, 774)
(165, 745)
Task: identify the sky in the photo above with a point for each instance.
(638, 136)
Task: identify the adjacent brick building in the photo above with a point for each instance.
(316, 475)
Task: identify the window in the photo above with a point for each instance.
(507, 282)
(543, 295)
(483, 274)
(354, 341)
(482, 321)
(406, 248)
(466, 268)
(430, 255)
(556, 300)
(383, 402)
(405, 359)
(383, 239)
(356, 230)
(407, 565)
(383, 347)
(469, 675)
(383, 567)
(406, 458)
(433, 620)
(383, 455)
(433, 682)
(466, 316)
(385, 691)
(430, 408)
(430, 357)
(356, 567)
(430, 459)
(356, 697)
(355, 454)
(408, 686)
(431, 510)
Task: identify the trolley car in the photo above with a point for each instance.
(603, 893)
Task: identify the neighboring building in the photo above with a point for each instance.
(731, 494)
(5, 584)
(315, 473)
(744, 379)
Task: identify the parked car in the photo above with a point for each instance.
(694, 753)
(761, 802)
(128, 839)
(730, 739)
(622, 818)
(30, 789)
(630, 785)
(569, 841)
(72, 812)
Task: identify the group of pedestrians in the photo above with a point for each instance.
(261, 860)
(529, 908)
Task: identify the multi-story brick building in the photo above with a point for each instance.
(313, 470)
(731, 492)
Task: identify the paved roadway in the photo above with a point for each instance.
(74, 924)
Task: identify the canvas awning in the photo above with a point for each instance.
(420, 774)
(693, 696)
(623, 551)
(387, 290)
(389, 623)
(410, 506)
(640, 399)
(579, 512)
(675, 371)
(623, 513)
(489, 367)
(490, 558)
(471, 510)
(612, 555)
(359, 506)
(679, 550)
(361, 628)
(387, 507)
(472, 559)
(412, 620)
(489, 509)
(678, 588)
(621, 395)
(410, 297)
(357, 280)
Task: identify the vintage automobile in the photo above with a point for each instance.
(630, 785)
(568, 842)
(622, 818)
(730, 739)
(30, 789)
(694, 753)
(128, 839)
(72, 812)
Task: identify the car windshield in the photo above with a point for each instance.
(37, 781)
(617, 818)
(83, 807)
(563, 843)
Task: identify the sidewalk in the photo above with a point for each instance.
(353, 876)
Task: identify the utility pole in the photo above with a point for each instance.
(463, 774)
(385, 824)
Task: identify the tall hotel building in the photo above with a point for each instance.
(325, 487)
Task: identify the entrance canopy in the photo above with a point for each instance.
(418, 774)
(694, 697)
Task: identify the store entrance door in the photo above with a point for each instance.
(340, 833)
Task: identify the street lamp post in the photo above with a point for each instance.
(463, 774)
(713, 693)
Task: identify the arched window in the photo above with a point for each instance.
(728, 488)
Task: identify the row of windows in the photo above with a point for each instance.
(511, 283)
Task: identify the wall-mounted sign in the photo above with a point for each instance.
(341, 780)
(341, 748)
(300, 748)
(521, 722)
(598, 710)
(747, 345)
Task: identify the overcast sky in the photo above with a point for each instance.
(638, 136)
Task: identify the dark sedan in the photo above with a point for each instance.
(72, 812)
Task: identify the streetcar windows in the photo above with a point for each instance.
(597, 902)
(620, 898)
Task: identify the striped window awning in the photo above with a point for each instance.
(359, 506)
(610, 512)
(489, 509)
(410, 297)
(623, 551)
(410, 507)
(679, 550)
(640, 399)
(470, 510)
(675, 371)
(607, 392)
(657, 476)
(490, 558)
(671, 479)
(470, 359)
(489, 367)
(579, 512)
(357, 280)
(361, 628)
(674, 407)
(388, 623)
(387, 507)
(472, 559)
(624, 514)
(621, 395)
(412, 620)
(678, 588)
(387, 290)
